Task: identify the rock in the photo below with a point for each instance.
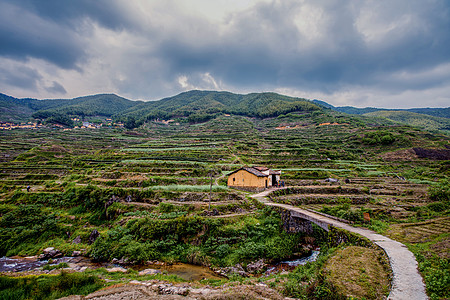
(172, 290)
(156, 262)
(50, 253)
(332, 180)
(257, 266)
(77, 253)
(117, 269)
(149, 272)
(93, 236)
(76, 240)
(235, 270)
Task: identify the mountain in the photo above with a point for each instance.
(435, 112)
(425, 118)
(199, 106)
(102, 104)
(16, 110)
(194, 106)
(414, 119)
(207, 103)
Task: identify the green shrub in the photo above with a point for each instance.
(438, 206)
(26, 225)
(280, 247)
(166, 207)
(440, 191)
(48, 287)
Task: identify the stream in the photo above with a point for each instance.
(289, 265)
(185, 271)
(23, 264)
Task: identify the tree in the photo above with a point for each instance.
(130, 123)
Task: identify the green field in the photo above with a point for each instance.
(147, 190)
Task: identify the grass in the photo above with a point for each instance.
(188, 188)
(48, 286)
(51, 160)
(358, 272)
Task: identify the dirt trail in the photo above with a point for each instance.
(407, 284)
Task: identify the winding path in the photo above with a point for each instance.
(407, 284)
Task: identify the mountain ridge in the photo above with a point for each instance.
(199, 106)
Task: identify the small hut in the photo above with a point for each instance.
(253, 178)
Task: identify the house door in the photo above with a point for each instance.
(266, 183)
(274, 180)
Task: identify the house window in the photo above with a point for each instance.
(234, 179)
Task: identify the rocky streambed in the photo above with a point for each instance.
(52, 259)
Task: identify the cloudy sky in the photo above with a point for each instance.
(393, 53)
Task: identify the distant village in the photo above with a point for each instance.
(81, 125)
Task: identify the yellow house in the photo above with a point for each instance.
(253, 178)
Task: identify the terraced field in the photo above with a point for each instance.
(159, 192)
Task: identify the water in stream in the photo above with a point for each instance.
(185, 271)
(291, 264)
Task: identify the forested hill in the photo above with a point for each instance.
(193, 105)
(435, 112)
(203, 104)
(14, 110)
(425, 118)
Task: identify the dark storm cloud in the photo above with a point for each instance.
(108, 13)
(151, 49)
(53, 30)
(56, 88)
(21, 77)
(264, 46)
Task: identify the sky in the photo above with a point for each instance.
(379, 53)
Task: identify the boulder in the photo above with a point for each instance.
(235, 270)
(149, 272)
(76, 240)
(50, 253)
(173, 290)
(77, 253)
(116, 269)
(257, 266)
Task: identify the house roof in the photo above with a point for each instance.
(260, 168)
(250, 170)
(254, 171)
(257, 171)
(271, 172)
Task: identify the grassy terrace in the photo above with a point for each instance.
(147, 192)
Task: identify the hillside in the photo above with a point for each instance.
(103, 104)
(201, 104)
(414, 119)
(194, 106)
(435, 112)
(18, 110)
(425, 118)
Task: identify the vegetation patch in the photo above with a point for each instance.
(357, 272)
(48, 286)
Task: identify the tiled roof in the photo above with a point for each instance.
(254, 171)
(260, 168)
(257, 171)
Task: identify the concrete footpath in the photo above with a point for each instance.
(407, 284)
